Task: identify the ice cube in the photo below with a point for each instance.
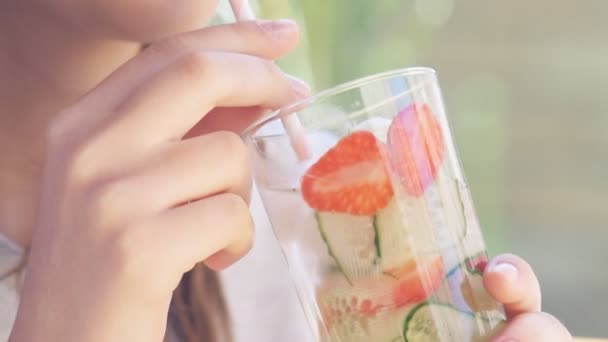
(377, 126)
(280, 168)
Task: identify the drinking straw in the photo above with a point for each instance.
(242, 12)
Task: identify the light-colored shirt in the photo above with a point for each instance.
(10, 258)
(259, 292)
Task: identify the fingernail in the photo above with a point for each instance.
(278, 29)
(508, 270)
(299, 87)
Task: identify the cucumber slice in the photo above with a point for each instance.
(447, 212)
(436, 322)
(397, 232)
(472, 264)
(351, 242)
(409, 226)
(361, 311)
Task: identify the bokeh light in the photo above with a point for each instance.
(434, 13)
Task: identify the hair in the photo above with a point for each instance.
(198, 309)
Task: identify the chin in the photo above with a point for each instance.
(150, 20)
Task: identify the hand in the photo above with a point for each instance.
(128, 205)
(511, 281)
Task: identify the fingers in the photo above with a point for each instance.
(264, 39)
(267, 40)
(226, 257)
(235, 119)
(216, 226)
(172, 102)
(227, 119)
(192, 169)
(534, 327)
(511, 281)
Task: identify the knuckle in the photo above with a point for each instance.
(123, 256)
(109, 198)
(244, 219)
(56, 130)
(81, 159)
(237, 208)
(74, 146)
(166, 46)
(121, 248)
(77, 155)
(271, 68)
(248, 231)
(238, 221)
(131, 258)
(63, 134)
(195, 66)
(248, 186)
(231, 144)
(554, 322)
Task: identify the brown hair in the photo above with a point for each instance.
(198, 310)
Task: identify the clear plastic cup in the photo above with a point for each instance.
(377, 226)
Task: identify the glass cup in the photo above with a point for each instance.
(377, 225)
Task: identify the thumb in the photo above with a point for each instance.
(511, 281)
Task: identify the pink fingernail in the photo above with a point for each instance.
(279, 29)
(508, 270)
(299, 87)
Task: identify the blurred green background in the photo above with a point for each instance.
(524, 84)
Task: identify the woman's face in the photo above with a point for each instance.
(138, 20)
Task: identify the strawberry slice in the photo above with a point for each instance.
(417, 280)
(413, 283)
(476, 264)
(350, 178)
(416, 147)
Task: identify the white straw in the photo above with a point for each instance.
(242, 12)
